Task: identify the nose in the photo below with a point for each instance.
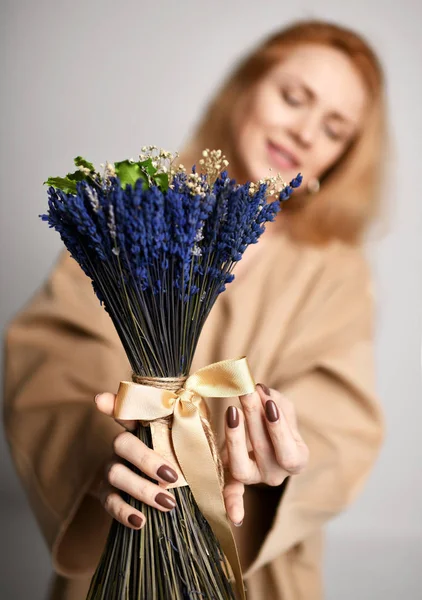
(304, 129)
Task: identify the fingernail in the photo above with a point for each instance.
(96, 397)
(136, 521)
(232, 417)
(165, 501)
(238, 524)
(271, 411)
(167, 473)
(265, 389)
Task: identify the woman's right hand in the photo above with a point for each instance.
(116, 476)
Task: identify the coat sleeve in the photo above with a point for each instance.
(338, 413)
(62, 350)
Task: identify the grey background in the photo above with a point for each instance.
(102, 79)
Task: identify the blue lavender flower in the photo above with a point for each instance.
(296, 182)
(158, 259)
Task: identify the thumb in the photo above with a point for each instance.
(233, 499)
(105, 403)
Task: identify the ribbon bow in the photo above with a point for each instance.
(146, 403)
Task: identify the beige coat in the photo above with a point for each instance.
(301, 314)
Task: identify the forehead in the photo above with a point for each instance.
(329, 73)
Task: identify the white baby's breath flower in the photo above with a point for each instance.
(212, 163)
(109, 170)
(84, 170)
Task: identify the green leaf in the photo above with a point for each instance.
(68, 184)
(161, 180)
(82, 162)
(77, 176)
(129, 172)
(65, 184)
(148, 167)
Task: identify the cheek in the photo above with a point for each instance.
(246, 130)
(325, 155)
(267, 110)
(261, 114)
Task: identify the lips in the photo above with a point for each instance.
(282, 157)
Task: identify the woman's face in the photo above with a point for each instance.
(301, 116)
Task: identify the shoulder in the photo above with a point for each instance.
(341, 293)
(335, 310)
(335, 265)
(68, 282)
(344, 267)
(347, 286)
(348, 268)
(351, 259)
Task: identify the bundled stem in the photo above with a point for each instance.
(175, 556)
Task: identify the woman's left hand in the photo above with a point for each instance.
(272, 450)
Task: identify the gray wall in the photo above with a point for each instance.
(102, 79)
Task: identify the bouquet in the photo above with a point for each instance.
(159, 245)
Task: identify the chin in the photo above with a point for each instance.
(256, 171)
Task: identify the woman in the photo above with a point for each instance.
(309, 99)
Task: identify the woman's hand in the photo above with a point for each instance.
(273, 449)
(117, 476)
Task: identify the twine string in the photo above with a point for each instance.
(174, 384)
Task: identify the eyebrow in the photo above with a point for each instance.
(312, 96)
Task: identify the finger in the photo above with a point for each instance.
(121, 510)
(290, 450)
(288, 409)
(241, 466)
(132, 449)
(122, 478)
(223, 452)
(105, 403)
(224, 455)
(286, 405)
(233, 499)
(255, 422)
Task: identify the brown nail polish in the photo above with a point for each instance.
(135, 520)
(167, 474)
(232, 417)
(271, 411)
(165, 501)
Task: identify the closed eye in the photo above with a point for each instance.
(291, 98)
(335, 134)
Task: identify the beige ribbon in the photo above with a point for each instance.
(146, 403)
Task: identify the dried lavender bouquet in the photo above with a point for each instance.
(159, 245)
